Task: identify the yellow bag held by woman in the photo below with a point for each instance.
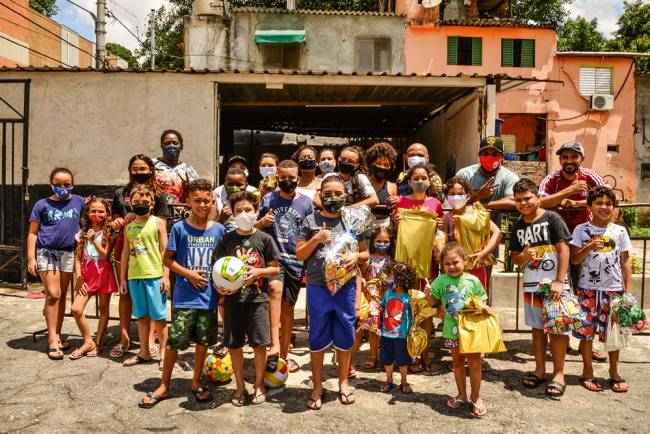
(472, 231)
(479, 332)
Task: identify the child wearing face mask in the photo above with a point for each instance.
(326, 161)
(234, 182)
(53, 225)
(246, 312)
(94, 274)
(458, 191)
(268, 171)
(142, 273)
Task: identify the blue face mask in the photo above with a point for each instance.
(62, 192)
(390, 283)
(171, 152)
(382, 248)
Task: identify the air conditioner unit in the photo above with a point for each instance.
(601, 102)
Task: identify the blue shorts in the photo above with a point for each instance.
(147, 300)
(331, 317)
(394, 351)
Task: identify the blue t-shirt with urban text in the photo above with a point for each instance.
(193, 250)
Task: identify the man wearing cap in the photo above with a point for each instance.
(569, 186)
(491, 181)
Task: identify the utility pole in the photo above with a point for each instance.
(152, 37)
(100, 34)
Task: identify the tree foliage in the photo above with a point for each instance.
(168, 34)
(45, 7)
(633, 32)
(541, 12)
(580, 35)
(124, 53)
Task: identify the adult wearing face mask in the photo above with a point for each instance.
(380, 161)
(416, 154)
(308, 183)
(172, 175)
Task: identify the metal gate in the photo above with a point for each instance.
(14, 196)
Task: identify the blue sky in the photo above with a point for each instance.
(133, 13)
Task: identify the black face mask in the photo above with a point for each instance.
(141, 209)
(288, 185)
(307, 164)
(379, 173)
(141, 178)
(346, 168)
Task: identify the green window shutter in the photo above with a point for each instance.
(477, 51)
(452, 50)
(506, 52)
(528, 53)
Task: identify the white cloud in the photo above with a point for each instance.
(606, 11)
(133, 13)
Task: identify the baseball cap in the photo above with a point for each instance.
(572, 146)
(236, 158)
(492, 142)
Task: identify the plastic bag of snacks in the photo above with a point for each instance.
(417, 340)
(629, 313)
(561, 315)
(479, 332)
(617, 337)
(370, 313)
(356, 220)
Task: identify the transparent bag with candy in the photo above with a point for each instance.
(561, 315)
(356, 220)
(417, 340)
(629, 314)
(478, 331)
(617, 337)
(370, 312)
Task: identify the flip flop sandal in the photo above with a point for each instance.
(155, 399)
(258, 398)
(532, 381)
(135, 360)
(432, 370)
(118, 351)
(200, 391)
(387, 387)
(455, 403)
(238, 401)
(405, 388)
(78, 354)
(272, 362)
(416, 367)
(94, 353)
(352, 373)
(347, 399)
(316, 403)
(478, 410)
(591, 385)
(618, 386)
(55, 354)
(293, 365)
(558, 387)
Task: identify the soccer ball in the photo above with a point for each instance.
(217, 369)
(228, 273)
(277, 378)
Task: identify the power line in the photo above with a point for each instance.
(44, 28)
(37, 52)
(111, 14)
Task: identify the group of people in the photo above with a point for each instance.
(280, 230)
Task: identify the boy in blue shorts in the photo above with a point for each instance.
(189, 254)
(539, 243)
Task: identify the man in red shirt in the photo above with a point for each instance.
(568, 188)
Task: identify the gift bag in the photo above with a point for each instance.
(479, 332)
(417, 339)
(415, 236)
(472, 231)
(617, 337)
(562, 315)
(370, 312)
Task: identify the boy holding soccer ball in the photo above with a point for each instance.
(188, 254)
(246, 311)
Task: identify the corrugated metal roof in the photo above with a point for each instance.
(484, 22)
(260, 10)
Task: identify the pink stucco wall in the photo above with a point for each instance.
(426, 52)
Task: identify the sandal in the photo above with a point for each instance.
(316, 403)
(78, 354)
(478, 409)
(591, 384)
(618, 386)
(370, 364)
(293, 365)
(387, 386)
(272, 362)
(455, 403)
(347, 398)
(132, 361)
(432, 368)
(238, 400)
(118, 351)
(55, 354)
(406, 388)
(417, 366)
(199, 394)
(555, 389)
(352, 373)
(94, 353)
(532, 381)
(259, 397)
(155, 399)
(220, 351)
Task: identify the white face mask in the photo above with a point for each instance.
(246, 173)
(268, 171)
(245, 221)
(416, 159)
(457, 201)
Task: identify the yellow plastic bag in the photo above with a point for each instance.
(417, 339)
(479, 332)
(415, 236)
(472, 231)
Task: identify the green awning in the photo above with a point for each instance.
(280, 36)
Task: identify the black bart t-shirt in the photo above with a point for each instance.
(256, 250)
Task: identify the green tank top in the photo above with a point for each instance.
(145, 261)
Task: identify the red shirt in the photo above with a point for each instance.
(555, 182)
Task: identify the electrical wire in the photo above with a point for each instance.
(37, 52)
(111, 14)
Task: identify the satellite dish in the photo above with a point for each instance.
(430, 3)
